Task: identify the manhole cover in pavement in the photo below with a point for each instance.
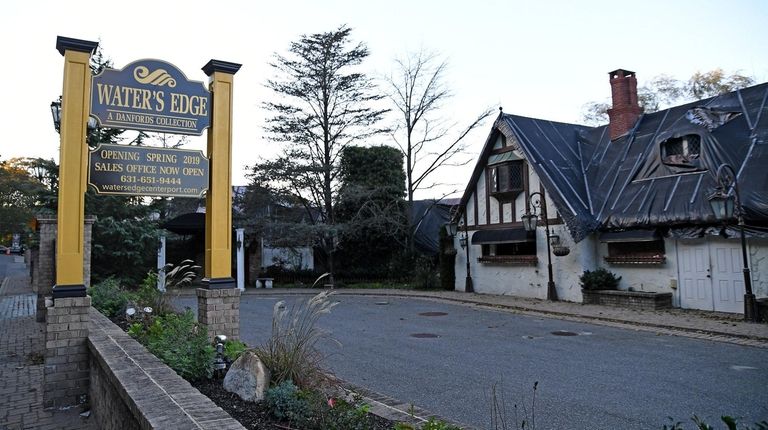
(564, 333)
(424, 335)
(433, 314)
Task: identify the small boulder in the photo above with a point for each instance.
(247, 377)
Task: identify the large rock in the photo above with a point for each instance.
(248, 378)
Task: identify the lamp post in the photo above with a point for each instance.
(724, 204)
(529, 223)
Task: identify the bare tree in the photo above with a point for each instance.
(427, 140)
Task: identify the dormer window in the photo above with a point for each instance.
(683, 151)
(506, 180)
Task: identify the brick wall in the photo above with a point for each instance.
(628, 299)
(133, 389)
(66, 352)
(219, 311)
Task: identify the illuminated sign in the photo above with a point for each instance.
(147, 171)
(150, 95)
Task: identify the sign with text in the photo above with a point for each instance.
(150, 95)
(147, 171)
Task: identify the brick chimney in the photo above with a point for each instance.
(626, 109)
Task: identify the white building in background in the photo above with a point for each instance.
(630, 196)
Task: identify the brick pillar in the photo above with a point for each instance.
(66, 376)
(45, 264)
(45, 261)
(219, 311)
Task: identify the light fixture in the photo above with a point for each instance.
(56, 114)
(723, 204)
(529, 221)
(463, 240)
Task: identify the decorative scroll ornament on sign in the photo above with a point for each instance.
(159, 77)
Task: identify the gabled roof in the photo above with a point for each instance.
(597, 184)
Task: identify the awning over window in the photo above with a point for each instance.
(506, 235)
(630, 236)
(190, 223)
(503, 158)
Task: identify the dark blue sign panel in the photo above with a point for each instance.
(150, 95)
(147, 171)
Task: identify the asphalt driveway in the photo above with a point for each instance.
(446, 358)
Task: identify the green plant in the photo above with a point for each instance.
(180, 342)
(599, 279)
(425, 273)
(340, 414)
(233, 349)
(284, 402)
(431, 424)
(108, 297)
(730, 424)
(290, 352)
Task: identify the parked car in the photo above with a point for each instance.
(3, 249)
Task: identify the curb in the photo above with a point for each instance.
(394, 410)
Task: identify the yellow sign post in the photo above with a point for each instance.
(73, 158)
(218, 202)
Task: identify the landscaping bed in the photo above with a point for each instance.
(256, 415)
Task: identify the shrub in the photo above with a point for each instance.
(340, 414)
(599, 279)
(233, 349)
(290, 352)
(425, 273)
(311, 409)
(283, 401)
(108, 297)
(180, 342)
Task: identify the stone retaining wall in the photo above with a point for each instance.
(132, 389)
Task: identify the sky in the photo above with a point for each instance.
(541, 59)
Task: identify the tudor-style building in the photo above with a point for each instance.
(630, 196)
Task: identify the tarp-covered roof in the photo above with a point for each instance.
(597, 184)
(430, 216)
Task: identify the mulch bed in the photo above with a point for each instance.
(255, 415)
(251, 415)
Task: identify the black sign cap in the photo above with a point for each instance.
(221, 66)
(70, 44)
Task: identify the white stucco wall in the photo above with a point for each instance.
(529, 281)
(654, 278)
(758, 266)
